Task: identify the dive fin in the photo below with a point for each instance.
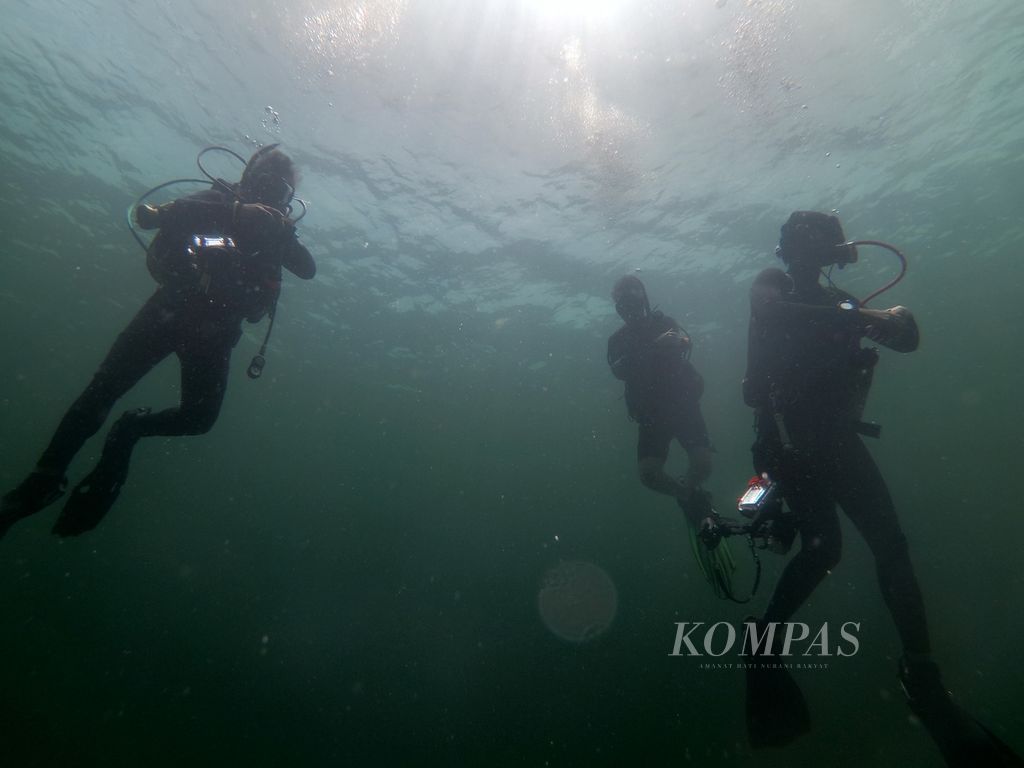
(38, 490)
(87, 504)
(777, 712)
(92, 498)
(962, 740)
(998, 747)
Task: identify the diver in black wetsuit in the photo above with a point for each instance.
(807, 379)
(217, 256)
(650, 353)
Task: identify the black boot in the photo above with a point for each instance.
(963, 741)
(38, 490)
(93, 497)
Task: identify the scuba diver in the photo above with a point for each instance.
(807, 380)
(217, 257)
(651, 355)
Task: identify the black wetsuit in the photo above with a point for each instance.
(196, 313)
(662, 388)
(808, 369)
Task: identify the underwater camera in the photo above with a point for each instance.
(770, 525)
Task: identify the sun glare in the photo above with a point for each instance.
(587, 10)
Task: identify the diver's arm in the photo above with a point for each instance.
(628, 355)
(767, 302)
(625, 356)
(894, 328)
(619, 358)
(786, 310)
(674, 338)
(193, 213)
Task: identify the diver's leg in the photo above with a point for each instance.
(147, 340)
(651, 455)
(699, 467)
(862, 493)
(137, 349)
(204, 380)
(865, 498)
(692, 434)
(820, 547)
(802, 480)
(204, 373)
(775, 707)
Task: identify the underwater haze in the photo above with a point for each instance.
(366, 560)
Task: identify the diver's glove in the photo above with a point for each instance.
(894, 328)
(673, 339)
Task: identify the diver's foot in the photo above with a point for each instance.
(963, 741)
(38, 490)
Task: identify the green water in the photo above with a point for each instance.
(347, 568)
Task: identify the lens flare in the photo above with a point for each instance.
(577, 601)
